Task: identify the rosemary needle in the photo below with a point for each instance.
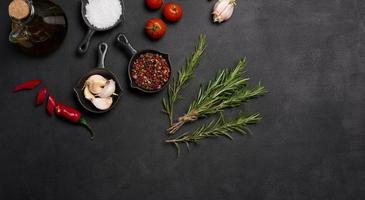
(184, 75)
(227, 90)
(216, 128)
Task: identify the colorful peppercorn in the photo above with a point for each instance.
(150, 71)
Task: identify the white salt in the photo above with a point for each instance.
(103, 13)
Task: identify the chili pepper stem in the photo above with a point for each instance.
(84, 123)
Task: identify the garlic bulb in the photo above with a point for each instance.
(223, 10)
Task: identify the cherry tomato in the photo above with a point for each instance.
(154, 4)
(155, 28)
(172, 12)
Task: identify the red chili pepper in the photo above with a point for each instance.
(29, 85)
(42, 93)
(72, 115)
(51, 104)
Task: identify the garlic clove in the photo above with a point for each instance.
(225, 15)
(219, 6)
(96, 78)
(87, 94)
(223, 10)
(108, 89)
(95, 83)
(102, 103)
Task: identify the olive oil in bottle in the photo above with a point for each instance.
(38, 26)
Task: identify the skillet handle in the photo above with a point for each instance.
(122, 39)
(123, 11)
(84, 45)
(102, 49)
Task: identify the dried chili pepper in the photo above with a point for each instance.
(29, 85)
(51, 104)
(72, 115)
(41, 96)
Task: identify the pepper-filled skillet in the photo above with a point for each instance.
(149, 70)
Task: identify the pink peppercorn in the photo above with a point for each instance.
(150, 71)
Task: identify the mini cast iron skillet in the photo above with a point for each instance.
(102, 50)
(84, 45)
(122, 39)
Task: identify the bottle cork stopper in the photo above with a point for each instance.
(19, 9)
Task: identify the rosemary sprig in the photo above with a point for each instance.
(184, 75)
(227, 90)
(216, 128)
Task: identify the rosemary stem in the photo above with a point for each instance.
(171, 115)
(172, 141)
(185, 74)
(189, 117)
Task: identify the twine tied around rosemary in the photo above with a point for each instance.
(189, 117)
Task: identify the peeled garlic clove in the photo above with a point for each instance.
(95, 83)
(108, 89)
(223, 10)
(87, 94)
(102, 103)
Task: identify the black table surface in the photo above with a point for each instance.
(310, 144)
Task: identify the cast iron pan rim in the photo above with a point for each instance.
(89, 106)
(83, 14)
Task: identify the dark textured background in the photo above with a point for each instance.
(310, 54)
